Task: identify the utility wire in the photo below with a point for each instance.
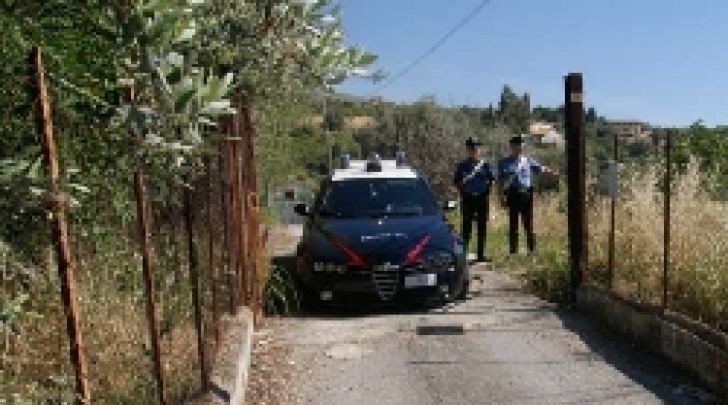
(433, 48)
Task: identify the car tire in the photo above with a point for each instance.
(309, 299)
(463, 295)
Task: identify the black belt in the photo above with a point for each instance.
(470, 194)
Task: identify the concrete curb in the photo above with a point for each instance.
(231, 369)
(693, 346)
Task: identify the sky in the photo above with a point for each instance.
(660, 61)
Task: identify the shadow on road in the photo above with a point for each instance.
(655, 373)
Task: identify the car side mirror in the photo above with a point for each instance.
(301, 209)
(450, 205)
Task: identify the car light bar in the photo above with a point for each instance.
(345, 161)
(374, 164)
(401, 159)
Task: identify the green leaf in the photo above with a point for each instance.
(181, 100)
(366, 59)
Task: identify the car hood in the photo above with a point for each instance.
(379, 240)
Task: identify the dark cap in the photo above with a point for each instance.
(472, 142)
(516, 140)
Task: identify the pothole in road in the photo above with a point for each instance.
(347, 352)
(454, 329)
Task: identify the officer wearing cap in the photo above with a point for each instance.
(473, 179)
(515, 180)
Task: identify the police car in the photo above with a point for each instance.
(376, 231)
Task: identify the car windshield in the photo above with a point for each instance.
(377, 198)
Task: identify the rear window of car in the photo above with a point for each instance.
(376, 197)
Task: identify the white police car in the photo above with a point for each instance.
(376, 231)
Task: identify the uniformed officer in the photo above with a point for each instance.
(515, 180)
(473, 179)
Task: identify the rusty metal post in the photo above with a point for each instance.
(234, 221)
(666, 221)
(575, 150)
(225, 251)
(240, 223)
(612, 225)
(194, 279)
(144, 221)
(212, 265)
(241, 200)
(60, 228)
(253, 210)
(147, 259)
(247, 239)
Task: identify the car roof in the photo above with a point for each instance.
(358, 170)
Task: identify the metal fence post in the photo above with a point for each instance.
(234, 227)
(146, 247)
(226, 255)
(194, 279)
(253, 204)
(60, 228)
(212, 264)
(575, 148)
(612, 225)
(666, 220)
(241, 208)
(143, 217)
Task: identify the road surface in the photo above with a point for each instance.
(501, 346)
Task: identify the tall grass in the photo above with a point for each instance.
(698, 276)
(698, 273)
(112, 314)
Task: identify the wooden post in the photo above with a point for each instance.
(575, 150)
(194, 278)
(60, 228)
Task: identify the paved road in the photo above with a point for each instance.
(513, 349)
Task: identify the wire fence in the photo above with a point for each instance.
(661, 238)
(137, 278)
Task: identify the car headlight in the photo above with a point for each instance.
(324, 267)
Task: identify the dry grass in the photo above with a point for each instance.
(114, 328)
(698, 277)
(698, 274)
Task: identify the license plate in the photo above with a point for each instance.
(420, 280)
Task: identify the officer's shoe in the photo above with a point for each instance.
(483, 259)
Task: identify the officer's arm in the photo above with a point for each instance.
(549, 172)
(543, 170)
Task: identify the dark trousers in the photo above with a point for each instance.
(475, 208)
(520, 204)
